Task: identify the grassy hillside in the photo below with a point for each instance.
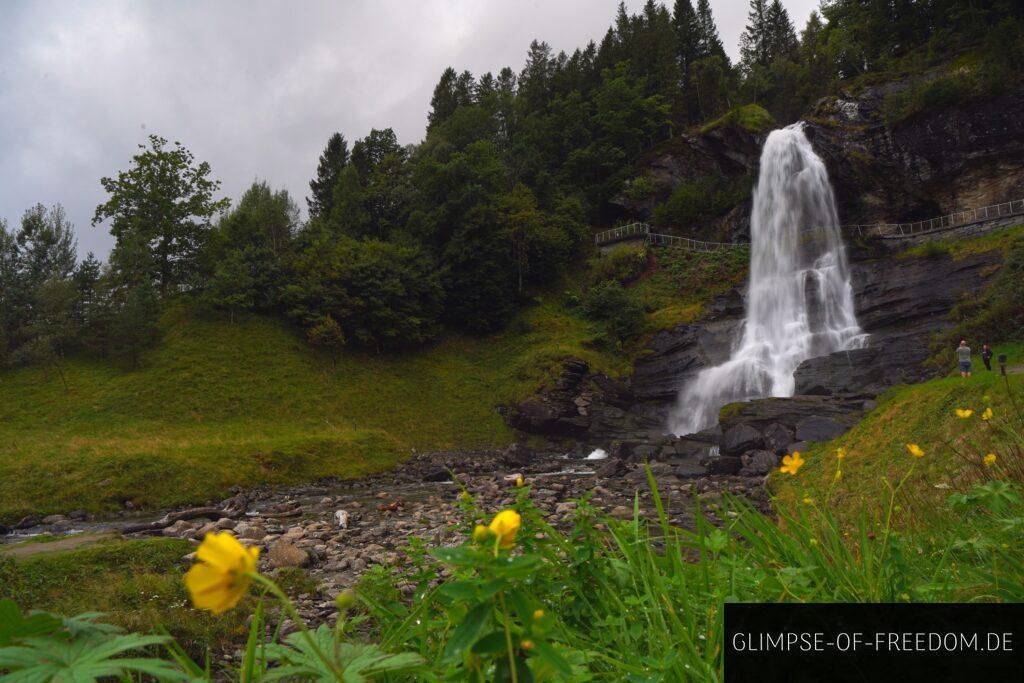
(218, 404)
(924, 414)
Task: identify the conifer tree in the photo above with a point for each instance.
(710, 43)
(332, 161)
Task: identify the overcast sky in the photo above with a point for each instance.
(254, 87)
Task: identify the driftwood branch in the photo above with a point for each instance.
(235, 507)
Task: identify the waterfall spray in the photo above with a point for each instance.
(800, 303)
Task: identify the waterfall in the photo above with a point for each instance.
(799, 304)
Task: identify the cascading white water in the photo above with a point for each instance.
(800, 303)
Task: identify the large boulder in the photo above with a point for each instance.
(758, 463)
(761, 413)
(286, 554)
(740, 439)
(777, 437)
(817, 428)
(723, 464)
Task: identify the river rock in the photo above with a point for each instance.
(179, 528)
(723, 464)
(777, 437)
(286, 554)
(817, 428)
(341, 519)
(740, 439)
(54, 519)
(758, 463)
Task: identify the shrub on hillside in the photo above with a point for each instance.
(611, 304)
(381, 294)
(995, 316)
(699, 201)
(622, 264)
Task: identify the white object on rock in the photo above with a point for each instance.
(341, 517)
(598, 454)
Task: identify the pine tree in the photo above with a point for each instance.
(782, 42)
(332, 161)
(755, 40)
(710, 43)
(46, 244)
(684, 21)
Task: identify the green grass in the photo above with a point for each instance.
(923, 414)
(751, 117)
(959, 248)
(681, 282)
(138, 584)
(218, 404)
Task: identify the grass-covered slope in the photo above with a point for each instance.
(922, 414)
(218, 404)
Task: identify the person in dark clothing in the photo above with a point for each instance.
(986, 356)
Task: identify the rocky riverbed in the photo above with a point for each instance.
(337, 531)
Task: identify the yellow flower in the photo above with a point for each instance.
(519, 482)
(808, 501)
(838, 475)
(964, 413)
(220, 576)
(987, 414)
(538, 614)
(481, 533)
(915, 450)
(989, 460)
(505, 526)
(840, 453)
(792, 463)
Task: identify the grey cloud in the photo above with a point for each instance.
(253, 87)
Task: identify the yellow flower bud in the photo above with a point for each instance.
(519, 482)
(526, 645)
(345, 600)
(915, 450)
(481, 533)
(989, 460)
(538, 614)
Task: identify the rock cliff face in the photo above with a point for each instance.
(729, 153)
(937, 162)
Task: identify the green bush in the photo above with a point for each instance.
(623, 264)
(639, 188)
(616, 307)
(995, 316)
(700, 200)
(380, 294)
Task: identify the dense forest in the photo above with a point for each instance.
(402, 242)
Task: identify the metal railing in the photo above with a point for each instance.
(884, 230)
(953, 220)
(659, 240)
(621, 233)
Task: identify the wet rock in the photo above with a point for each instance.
(437, 475)
(777, 437)
(758, 463)
(740, 439)
(817, 428)
(517, 455)
(179, 528)
(286, 554)
(54, 519)
(761, 413)
(723, 464)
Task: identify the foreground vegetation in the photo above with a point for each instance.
(610, 599)
(926, 415)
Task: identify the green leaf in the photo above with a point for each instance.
(550, 656)
(490, 644)
(13, 625)
(466, 633)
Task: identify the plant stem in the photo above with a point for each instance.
(508, 639)
(293, 613)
